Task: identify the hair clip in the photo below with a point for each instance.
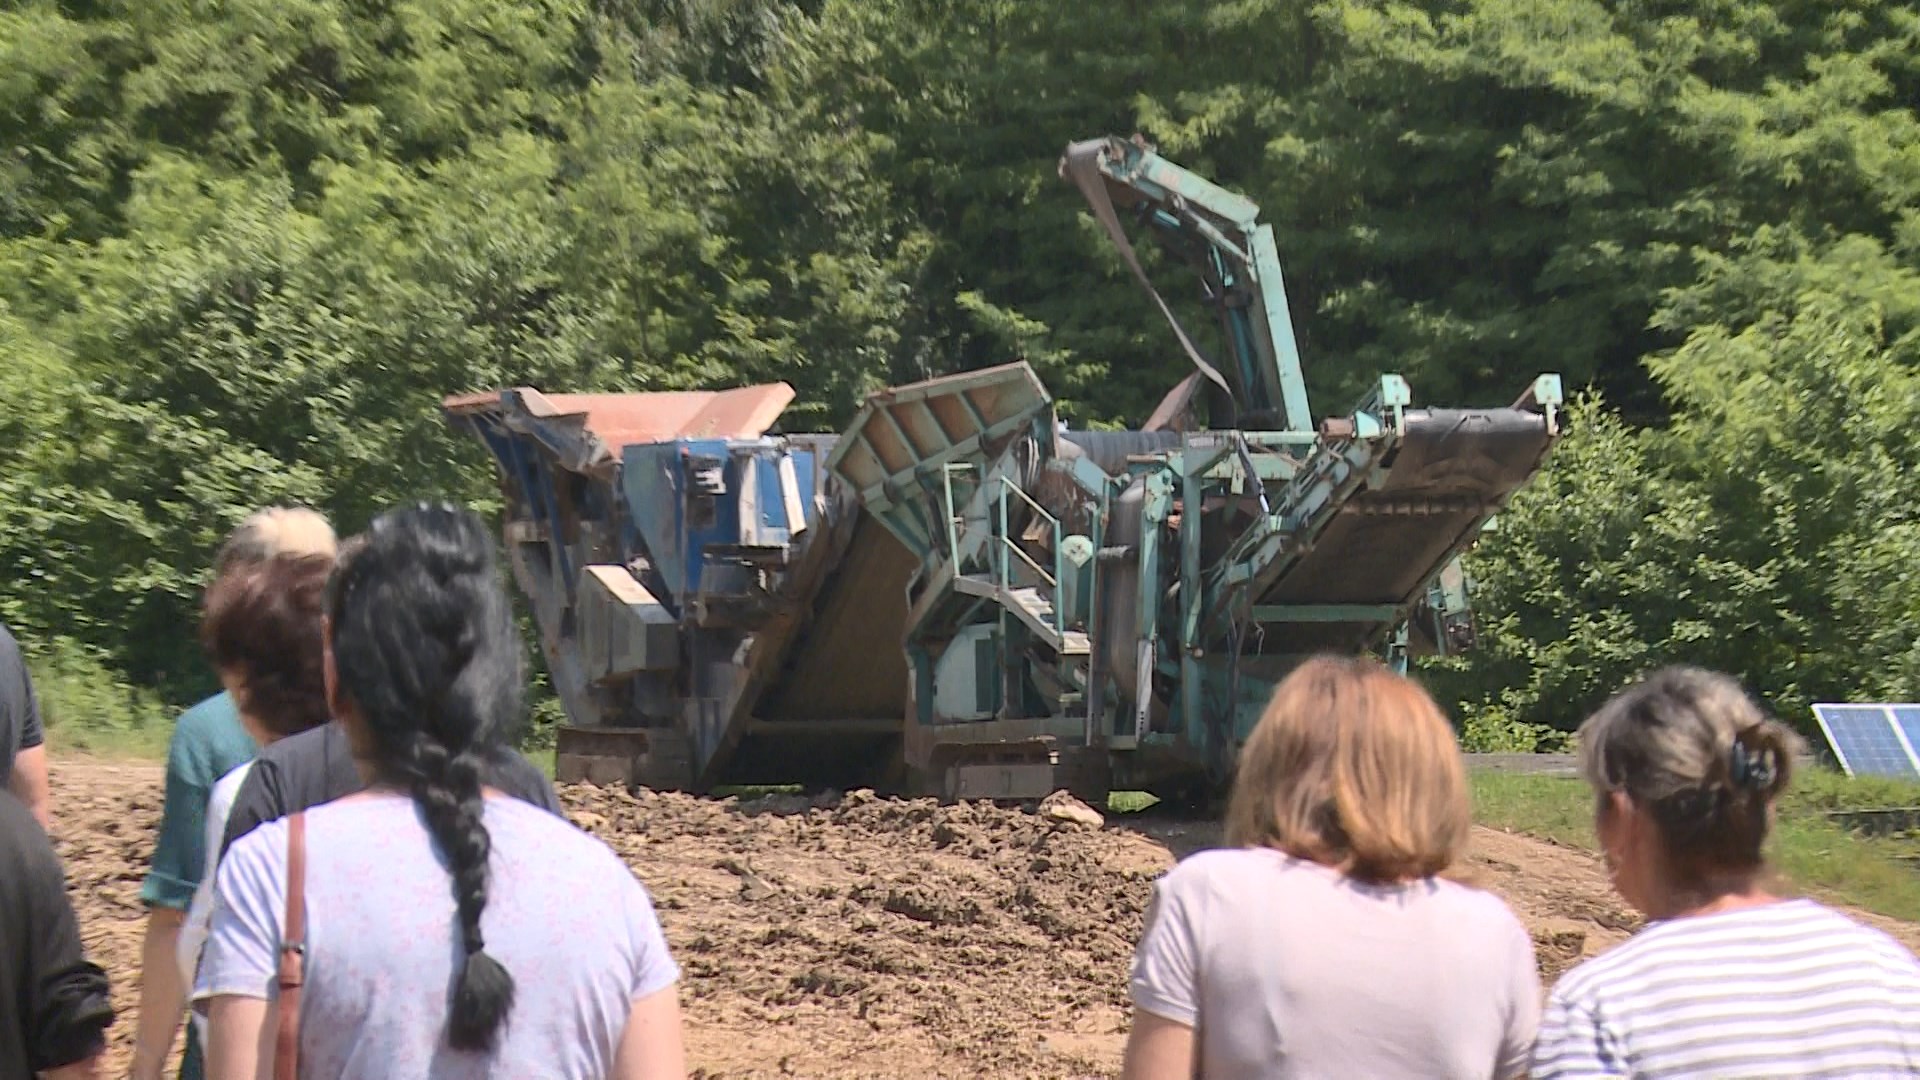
(1749, 768)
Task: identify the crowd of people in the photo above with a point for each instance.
(356, 875)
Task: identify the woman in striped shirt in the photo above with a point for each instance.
(1729, 978)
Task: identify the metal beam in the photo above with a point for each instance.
(879, 496)
(1285, 350)
(852, 725)
(1196, 189)
(1325, 613)
(1190, 597)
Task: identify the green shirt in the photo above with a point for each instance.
(208, 742)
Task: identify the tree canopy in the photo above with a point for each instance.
(245, 248)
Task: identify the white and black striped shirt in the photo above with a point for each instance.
(1789, 989)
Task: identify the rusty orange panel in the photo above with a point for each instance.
(619, 420)
(484, 401)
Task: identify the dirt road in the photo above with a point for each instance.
(846, 937)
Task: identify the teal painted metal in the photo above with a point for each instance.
(947, 473)
(1280, 438)
(1397, 654)
(1092, 609)
(1284, 348)
(1009, 550)
(1191, 500)
(1220, 567)
(1002, 551)
(1244, 257)
(1076, 579)
(895, 453)
(1086, 474)
(1160, 178)
(1327, 613)
(1154, 513)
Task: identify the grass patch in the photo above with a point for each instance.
(87, 709)
(1557, 808)
(1129, 802)
(1809, 848)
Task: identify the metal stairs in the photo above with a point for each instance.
(1033, 609)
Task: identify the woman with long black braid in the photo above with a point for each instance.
(449, 930)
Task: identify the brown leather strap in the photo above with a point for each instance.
(293, 954)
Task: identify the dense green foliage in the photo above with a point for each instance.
(245, 248)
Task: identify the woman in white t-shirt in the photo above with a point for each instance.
(1323, 943)
(444, 928)
(1729, 978)
(263, 628)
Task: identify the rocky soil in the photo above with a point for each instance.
(848, 936)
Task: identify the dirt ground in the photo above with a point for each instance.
(848, 936)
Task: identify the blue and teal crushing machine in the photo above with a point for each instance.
(958, 595)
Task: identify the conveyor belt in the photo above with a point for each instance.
(849, 662)
(833, 711)
(1452, 468)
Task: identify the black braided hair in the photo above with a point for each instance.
(426, 652)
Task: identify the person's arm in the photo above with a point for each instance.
(1165, 991)
(241, 960)
(28, 780)
(193, 930)
(651, 1047)
(1158, 1049)
(68, 1004)
(179, 857)
(239, 1039)
(30, 785)
(163, 998)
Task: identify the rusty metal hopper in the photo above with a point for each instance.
(588, 431)
(902, 440)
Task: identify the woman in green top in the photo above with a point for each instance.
(208, 742)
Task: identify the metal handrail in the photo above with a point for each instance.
(1005, 579)
(953, 518)
(1044, 576)
(1002, 565)
(1008, 485)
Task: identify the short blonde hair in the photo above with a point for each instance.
(1354, 767)
(273, 532)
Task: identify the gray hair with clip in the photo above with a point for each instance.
(1700, 756)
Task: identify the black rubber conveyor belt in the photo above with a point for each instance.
(1452, 467)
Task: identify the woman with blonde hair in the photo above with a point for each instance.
(1322, 942)
(1728, 978)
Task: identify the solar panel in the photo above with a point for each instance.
(1907, 719)
(1873, 740)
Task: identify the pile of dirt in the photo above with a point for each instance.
(845, 936)
(899, 938)
(105, 820)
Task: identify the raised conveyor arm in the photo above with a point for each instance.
(1221, 234)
